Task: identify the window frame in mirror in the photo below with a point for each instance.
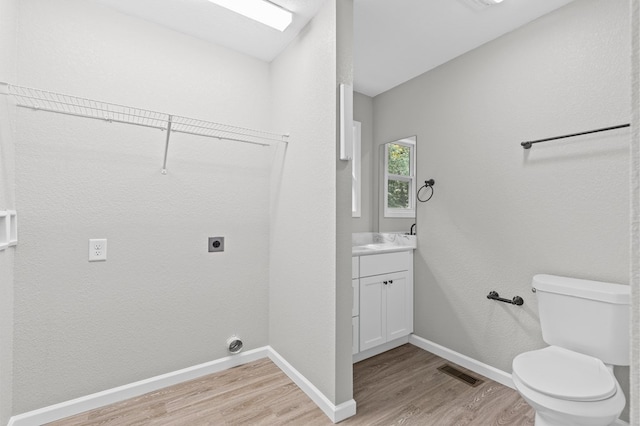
(410, 212)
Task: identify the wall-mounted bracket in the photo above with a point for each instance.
(517, 300)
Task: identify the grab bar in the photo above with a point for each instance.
(517, 300)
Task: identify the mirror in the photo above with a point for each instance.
(397, 185)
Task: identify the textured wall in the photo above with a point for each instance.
(363, 112)
(501, 214)
(343, 291)
(635, 216)
(160, 302)
(7, 201)
(302, 309)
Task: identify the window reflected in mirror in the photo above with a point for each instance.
(399, 178)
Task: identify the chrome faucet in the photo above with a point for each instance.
(412, 231)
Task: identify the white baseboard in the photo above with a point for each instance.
(360, 356)
(463, 360)
(121, 393)
(474, 365)
(336, 413)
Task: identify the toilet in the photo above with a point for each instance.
(586, 324)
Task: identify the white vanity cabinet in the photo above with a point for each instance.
(355, 309)
(385, 298)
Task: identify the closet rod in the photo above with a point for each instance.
(527, 145)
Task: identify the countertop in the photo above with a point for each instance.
(367, 243)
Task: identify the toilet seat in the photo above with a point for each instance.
(564, 374)
(584, 413)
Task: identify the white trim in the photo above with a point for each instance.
(360, 356)
(13, 227)
(476, 366)
(463, 360)
(356, 171)
(336, 413)
(410, 212)
(346, 121)
(121, 393)
(5, 224)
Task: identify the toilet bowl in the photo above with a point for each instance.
(567, 388)
(571, 381)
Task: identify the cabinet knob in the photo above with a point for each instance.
(390, 281)
(384, 282)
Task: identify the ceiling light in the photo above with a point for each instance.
(491, 2)
(259, 10)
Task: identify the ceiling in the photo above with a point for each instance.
(394, 40)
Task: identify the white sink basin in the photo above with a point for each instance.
(364, 243)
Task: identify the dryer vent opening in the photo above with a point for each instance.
(234, 344)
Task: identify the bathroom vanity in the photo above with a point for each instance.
(382, 281)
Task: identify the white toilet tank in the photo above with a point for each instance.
(589, 317)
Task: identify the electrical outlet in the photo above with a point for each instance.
(216, 244)
(97, 249)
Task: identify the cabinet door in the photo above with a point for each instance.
(399, 292)
(373, 312)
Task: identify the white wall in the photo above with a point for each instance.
(160, 302)
(501, 214)
(7, 201)
(635, 217)
(343, 290)
(304, 314)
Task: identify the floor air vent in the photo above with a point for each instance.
(457, 374)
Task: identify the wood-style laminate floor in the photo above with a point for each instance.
(399, 387)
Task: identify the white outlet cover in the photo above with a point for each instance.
(13, 227)
(4, 230)
(97, 249)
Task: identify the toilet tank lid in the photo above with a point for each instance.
(596, 290)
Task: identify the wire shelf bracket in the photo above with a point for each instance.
(44, 100)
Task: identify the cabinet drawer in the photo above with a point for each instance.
(355, 267)
(383, 263)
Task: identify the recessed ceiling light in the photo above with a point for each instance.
(259, 10)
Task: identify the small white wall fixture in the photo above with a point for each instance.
(8, 228)
(356, 171)
(346, 122)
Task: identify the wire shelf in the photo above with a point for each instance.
(81, 107)
(45, 100)
(210, 129)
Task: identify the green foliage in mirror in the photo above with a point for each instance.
(399, 163)
(399, 159)
(398, 193)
